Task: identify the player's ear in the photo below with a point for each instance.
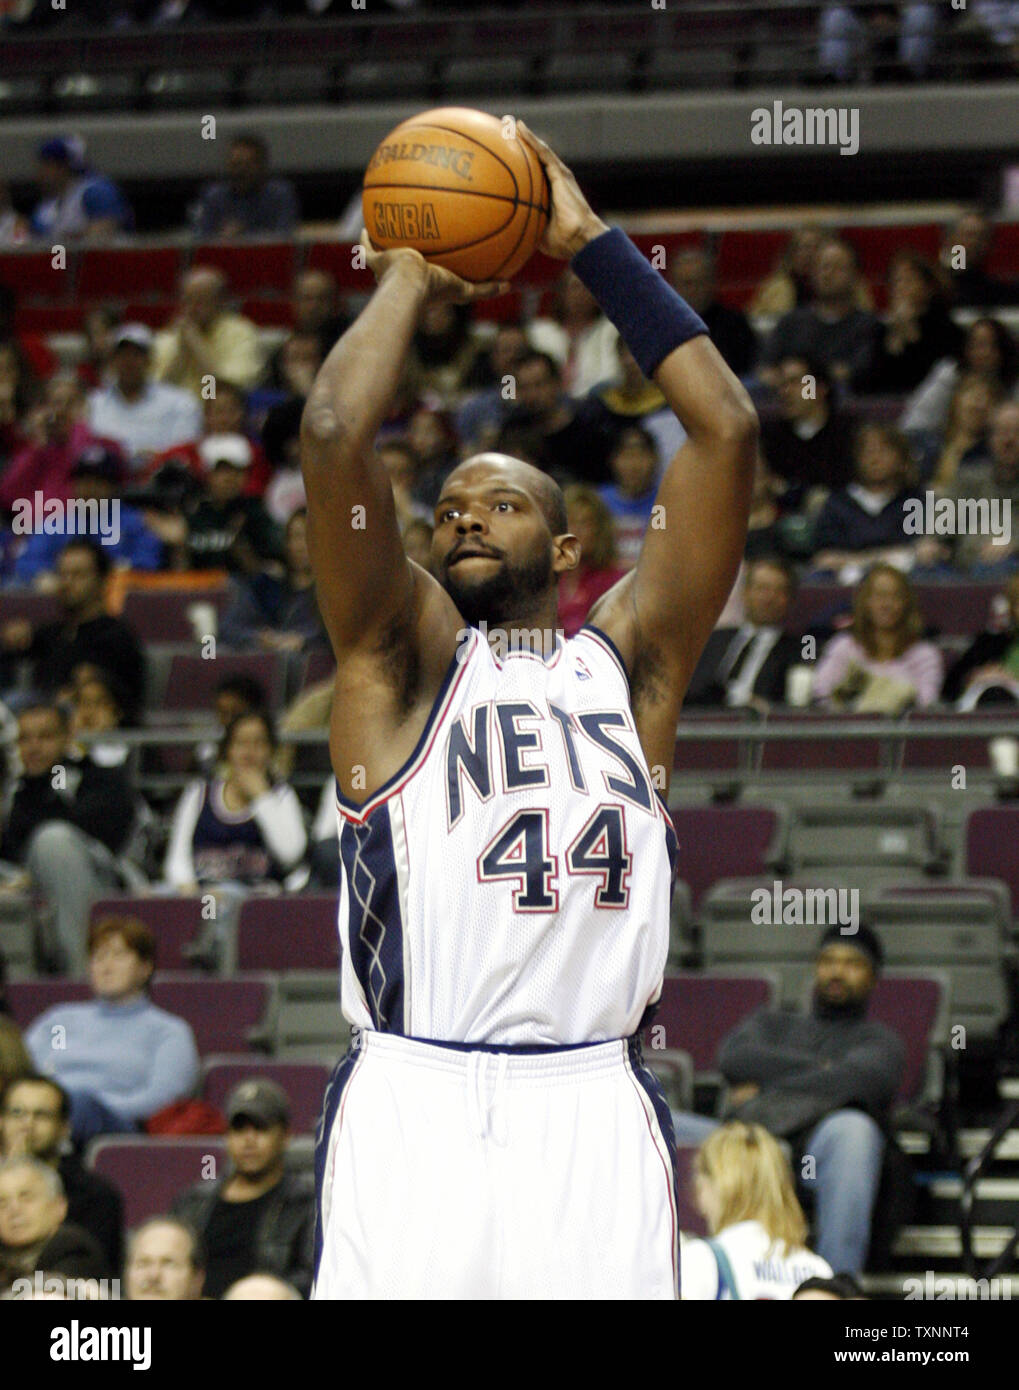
(567, 553)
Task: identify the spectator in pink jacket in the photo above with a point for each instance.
(59, 436)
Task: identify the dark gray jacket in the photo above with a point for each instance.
(285, 1239)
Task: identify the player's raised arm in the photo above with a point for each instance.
(670, 602)
(362, 574)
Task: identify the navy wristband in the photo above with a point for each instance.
(652, 318)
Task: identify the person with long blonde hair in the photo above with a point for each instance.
(757, 1250)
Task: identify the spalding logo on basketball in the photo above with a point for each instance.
(462, 188)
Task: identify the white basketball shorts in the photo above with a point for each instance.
(481, 1174)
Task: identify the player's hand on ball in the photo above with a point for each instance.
(572, 224)
(439, 284)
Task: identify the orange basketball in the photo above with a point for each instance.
(462, 188)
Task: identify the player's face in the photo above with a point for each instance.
(491, 548)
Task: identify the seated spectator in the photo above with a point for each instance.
(57, 436)
(880, 664)
(989, 351)
(897, 40)
(401, 463)
(790, 285)
(693, 275)
(278, 612)
(76, 202)
(96, 709)
(17, 386)
(129, 543)
(964, 253)
(443, 350)
(492, 379)
(224, 413)
(247, 202)
(550, 429)
(260, 1216)
(831, 330)
(996, 482)
(810, 445)
(261, 1288)
(758, 1247)
(630, 497)
(589, 518)
(84, 631)
(768, 531)
(865, 522)
(34, 1230)
(145, 417)
(94, 367)
(222, 526)
(14, 1058)
(316, 314)
(121, 1059)
(207, 341)
(612, 407)
(578, 337)
(234, 695)
(918, 331)
(825, 1082)
(238, 829)
(749, 664)
(967, 428)
(35, 1122)
(987, 673)
(14, 229)
(66, 830)
(165, 1263)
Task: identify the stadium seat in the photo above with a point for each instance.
(336, 257)
(832, 751)
(698, 1009)
(992, 847)
(32, 997)
(863, 837)
(150, 1173)
(128, 273)
(972, 751)
(1003, 256)
(269, 313)
(697, 754)
(726, 842)
(587, 72)
(183, 87)
(37, 608)
(958, 608)
(304, 1083)
(175, 921)
(32, 275)
(501, 74)
(400, 78)
(916, 1006)
(681, 926)
(690, 1219)
(309, 1023)
(193, 679)
(162, 616)
(225, 1015)
(819, 605)
(288, 933)
(261, 268)
(287, 82)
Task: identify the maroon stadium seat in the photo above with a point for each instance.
(49, 318)
(818, 603)
(697, 1011)
(971, 750)
(910, 1006)
(836, 752)
(162, 616)
(30, 998)
(724, 842)
(175, 921)
(959, 609)
(304, 1083)
(875, 246)
(192, 679)
(37, 608)
(127, 273)
(690, 1219)
(289, 933)
(319, 665)
(1003, 257)
(269, 313)
(32, 276)
(157, 313)
(223, 1014)
(152, 1172)
(710, 755)
(335, 258)
(259, 268)
(992, 847)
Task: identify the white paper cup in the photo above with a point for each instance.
(202, 617)
(1004, 753)
(799, 685)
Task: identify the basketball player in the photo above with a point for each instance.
(506, 852)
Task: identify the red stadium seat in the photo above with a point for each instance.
(225, 1015)
(150, 1173)
(175, 921)
(258, 267)
(691, 1221)
(163, 616)
(914, 1008)
(32, 276)
(129, 273)
(269, 313)
(319, 666)
(304, 1083)
(725, 842)
(156, 313)
(30, 998)
(961, 609)
(37, 608)
(504, 308)
(875, 246)
(971, 750)
(1003, 257)
(747, 257)
(697, 1011)
(710, 755)
(192, 679)
(835, 752)
(335, 258)
(291, 933)
(49, 318)
(819, 605)
(992, 847)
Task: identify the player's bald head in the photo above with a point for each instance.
(504, 468)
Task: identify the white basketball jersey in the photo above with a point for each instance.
(761, 1268)
(512, 883)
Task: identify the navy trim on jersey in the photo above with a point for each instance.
(513, 1049)
(374, 919)
(457, 662)
(653, 1088)
(590, 627)
(342, 1073)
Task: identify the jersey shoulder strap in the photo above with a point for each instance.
(726, 1278)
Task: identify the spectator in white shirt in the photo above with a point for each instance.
(757, 1249)
(144, 416)
(579, 337)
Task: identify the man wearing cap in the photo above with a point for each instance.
(228, 528)
(76, 202)
(120, 528)
(260, 1217)
(825, 1081)
(143, 416)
